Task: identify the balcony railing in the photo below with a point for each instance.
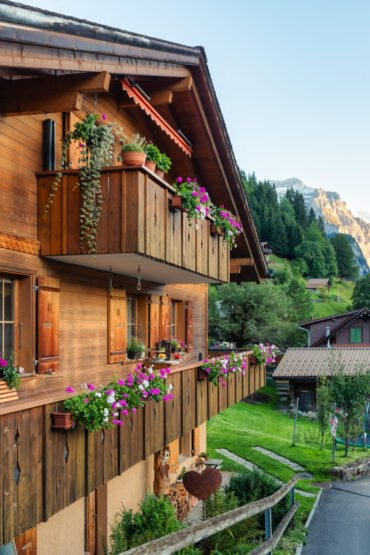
(136, 221)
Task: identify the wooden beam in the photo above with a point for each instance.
(236, 264)
(41, 104)
(183, 85)
(161, 97)
(81, 82)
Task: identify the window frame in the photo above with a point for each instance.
(356, 328)
(132, 300)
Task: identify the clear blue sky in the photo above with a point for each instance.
(292, 77)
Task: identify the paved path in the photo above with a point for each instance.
(251, 466)
(341, 523)
(283, 460)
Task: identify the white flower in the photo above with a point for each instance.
(141, 387)
(145, 383)
(170, 386)
(110, 399)
(115, 414)
(21, 370)
(105, 412)
(98, 394)
(105, 419)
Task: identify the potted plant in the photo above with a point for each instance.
(163, 165)
(194, 199)
(133, 152)
(175, 346)
(134, 348)
(95, 139)
(62, 420)
(10, 373)
(225, 224)
(152, 156)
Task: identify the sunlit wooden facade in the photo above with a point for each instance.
(59, 297)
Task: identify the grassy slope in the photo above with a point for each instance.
(337, 300)
(244, 425)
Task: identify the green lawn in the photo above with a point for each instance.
(245, 425)
(337, 300)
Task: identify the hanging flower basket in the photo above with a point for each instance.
(215, 230)
(62, 421)
(176, 202)
(202, 375)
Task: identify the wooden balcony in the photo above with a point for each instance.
(137, 228)
(38, 479)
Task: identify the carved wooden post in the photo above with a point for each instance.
(161, 469)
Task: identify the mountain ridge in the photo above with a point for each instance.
(337, 217)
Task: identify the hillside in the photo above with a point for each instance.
(337, 217)
(337, 300)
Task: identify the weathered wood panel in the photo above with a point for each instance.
(212, 400)
(131, 440)
(173, 410)
(231, 392)
(189, 388)
(239, 387)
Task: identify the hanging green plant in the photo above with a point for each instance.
(96, 139)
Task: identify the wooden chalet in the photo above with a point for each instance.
(65, 314)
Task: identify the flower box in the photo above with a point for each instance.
(62, 421)
(176, 202)
(202, 375)
(6, 394)
(215, 230)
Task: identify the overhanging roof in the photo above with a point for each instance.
(80, 45)
(320, 362)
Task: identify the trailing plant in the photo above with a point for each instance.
(152, 153)
(9, 372)
(164, 163)
(227, 223)
(155, 518)
(136, 144)
(103, 407)
(219, 369)
(134, 346)
(96, 139)
(195, 199)
(265, 353)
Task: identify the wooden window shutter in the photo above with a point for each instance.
(154, 323)
(189, 326)
(117, 325)
(166, 318)
(48, 324)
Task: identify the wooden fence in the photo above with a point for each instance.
(190, 536)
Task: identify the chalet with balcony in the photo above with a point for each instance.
(68, 312)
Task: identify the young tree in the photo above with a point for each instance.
(347, 267)
(350, 393)
(323, 407)
(361, 293)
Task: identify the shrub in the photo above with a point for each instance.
(156, 518)
(164, 163)
(152, 152)
(254, 485)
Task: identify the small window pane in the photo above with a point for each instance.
(8, 301)
(356, 335)
(8, 339)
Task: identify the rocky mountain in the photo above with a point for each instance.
(337, 216)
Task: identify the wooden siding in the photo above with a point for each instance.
(135, 218)
(43, 471)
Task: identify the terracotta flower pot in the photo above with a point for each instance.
(133, 158)
(62, 421)
(215, 230)
(160, 173)
(150, 165)
(202, 375)
(176, 202)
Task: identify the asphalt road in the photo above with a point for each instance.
(341, 523)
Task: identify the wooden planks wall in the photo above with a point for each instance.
(42, 471)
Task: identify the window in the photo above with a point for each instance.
(355, 335)
(7, 316)
(131, 318)
(174, 320)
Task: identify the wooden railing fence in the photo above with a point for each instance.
(194, 534)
